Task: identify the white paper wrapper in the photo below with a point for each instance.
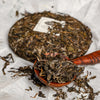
(87, 11)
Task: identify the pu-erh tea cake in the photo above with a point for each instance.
(35, 35)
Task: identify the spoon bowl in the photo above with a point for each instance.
(51, 84)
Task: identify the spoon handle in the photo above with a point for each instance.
(89, 59)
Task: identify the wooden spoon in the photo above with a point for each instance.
(89, 59)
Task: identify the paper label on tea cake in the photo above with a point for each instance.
(44, 23)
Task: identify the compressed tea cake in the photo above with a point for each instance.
(64, 35)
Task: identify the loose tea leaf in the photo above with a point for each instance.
(58, 70)
(26, 71)
(81, 86)
(30, 89)
(8, 59)
(17, 13)
(59, 94)
(40, 94)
